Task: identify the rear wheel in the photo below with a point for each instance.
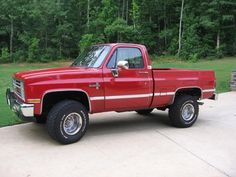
(144, 111)
(184, 111)
(67, 121)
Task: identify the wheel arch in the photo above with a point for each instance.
(193, 91)
(63, 94)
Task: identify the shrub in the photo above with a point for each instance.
(5, 56)
(86, 41)
(33, 50)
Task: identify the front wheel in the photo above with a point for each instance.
(67, 121)
(184, 111)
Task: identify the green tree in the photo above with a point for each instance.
(52, 29)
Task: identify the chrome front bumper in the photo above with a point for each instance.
(22, 110)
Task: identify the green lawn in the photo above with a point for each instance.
(223, 68)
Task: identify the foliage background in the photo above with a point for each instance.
(46, 30)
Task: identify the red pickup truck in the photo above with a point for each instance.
(107, 77)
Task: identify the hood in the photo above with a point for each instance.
(51, 73)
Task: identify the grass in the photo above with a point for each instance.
(222, 67)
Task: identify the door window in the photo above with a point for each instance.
(132, 55)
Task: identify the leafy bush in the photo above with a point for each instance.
(5, 56)
(49, 55)
(33, 50)
(119, 31)
(20, 55)
(86, 41)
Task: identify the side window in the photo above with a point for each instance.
(132, 55)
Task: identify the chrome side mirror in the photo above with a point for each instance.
(123, 64)
(120, 65)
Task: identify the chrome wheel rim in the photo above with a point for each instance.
(188, 112)
(72, 123)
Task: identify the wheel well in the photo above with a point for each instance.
(196, 92)
(50, 99)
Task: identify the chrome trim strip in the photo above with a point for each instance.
(170, 93)
(164, 93)
(209, 90)
(120, 97)
(127, 96)
(97, 98)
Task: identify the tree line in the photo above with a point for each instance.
(45, 30)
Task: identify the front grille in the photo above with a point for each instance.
(18, 88)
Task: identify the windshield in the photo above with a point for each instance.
(92, 57)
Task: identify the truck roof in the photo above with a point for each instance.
(122, 44)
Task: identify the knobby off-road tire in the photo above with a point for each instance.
(144, 111)
(184, 111)
(67, 121)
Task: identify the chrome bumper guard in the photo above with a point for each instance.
(22, 110)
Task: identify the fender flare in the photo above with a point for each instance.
(65, 90)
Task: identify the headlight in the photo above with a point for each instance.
(18, 88)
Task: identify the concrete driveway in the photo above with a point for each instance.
(127, 144)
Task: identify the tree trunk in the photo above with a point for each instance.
(60, 50)
(11, 40)
(88, 16)
(165, 25)
(46, 40)
(127, 11)
(150, 18)
(133, 14)
(180, 26)
(218, 40)
(118, 12)
(123, 10)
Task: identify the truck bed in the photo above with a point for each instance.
(167, 81)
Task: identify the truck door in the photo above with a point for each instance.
(129, 87)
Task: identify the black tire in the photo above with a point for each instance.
(58, 117)
(144, 111)
(176, 111)
(40, 120)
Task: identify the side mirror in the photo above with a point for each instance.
(120, 65)
(123, 64)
